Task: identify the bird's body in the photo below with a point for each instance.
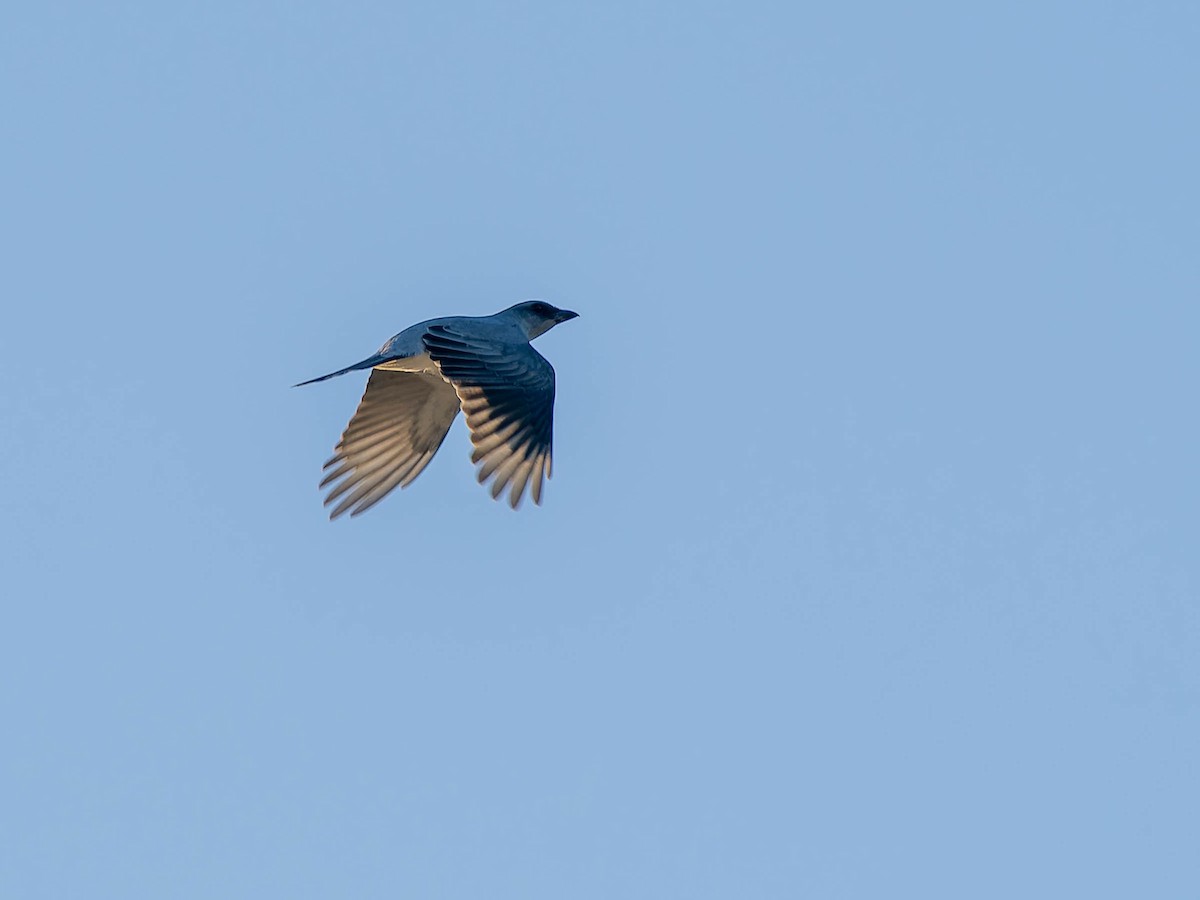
(422, 377)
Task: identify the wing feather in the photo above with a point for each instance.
(400, 423)
(506, 391)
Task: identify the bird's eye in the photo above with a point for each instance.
(541, 309)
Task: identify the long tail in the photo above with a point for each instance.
(369, 363)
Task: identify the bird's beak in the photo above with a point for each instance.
(565, 315)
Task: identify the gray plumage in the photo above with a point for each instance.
(422, 377)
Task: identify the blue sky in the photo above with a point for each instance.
(869, 564)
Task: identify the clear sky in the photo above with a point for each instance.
(869, 567)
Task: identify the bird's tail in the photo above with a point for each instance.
(368, 363)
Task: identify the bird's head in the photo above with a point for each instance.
(537, 316)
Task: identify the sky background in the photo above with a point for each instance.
(869, 567)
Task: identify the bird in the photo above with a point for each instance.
(421, 378)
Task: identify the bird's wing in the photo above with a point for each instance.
(401, 421)
(506, 390)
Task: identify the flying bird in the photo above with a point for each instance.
(419, 381)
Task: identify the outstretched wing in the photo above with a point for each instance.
(507, 394)
(400, 423)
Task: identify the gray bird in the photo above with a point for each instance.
(419, 381)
